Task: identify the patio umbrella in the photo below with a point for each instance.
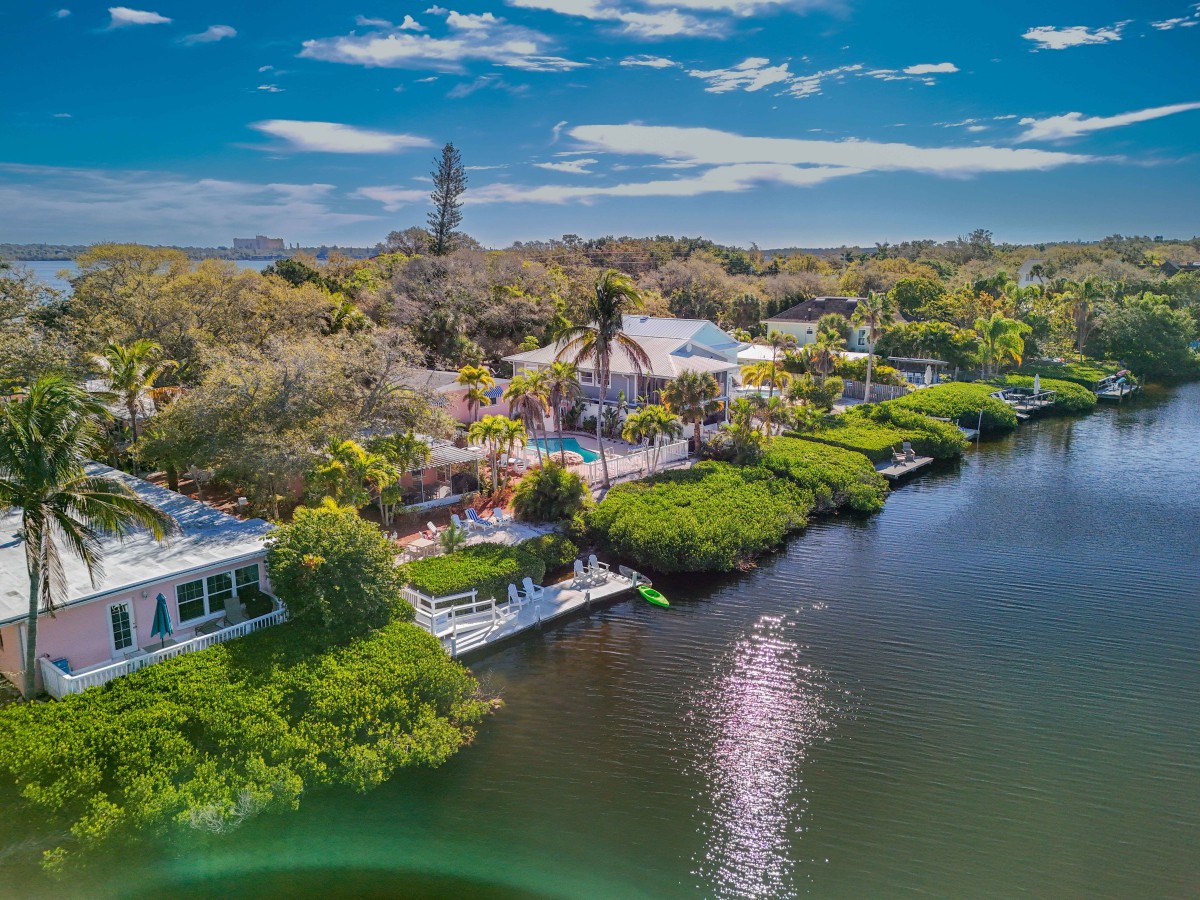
(929, 374)
(1037, 384)
(162, 621)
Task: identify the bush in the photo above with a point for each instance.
(488, 568)
(1070, 397)
(836, 477)
(257, 603)
(207, 739)
(556, 551)
(1085, 374)
(335, 571)
(962, 402)
(881, 373)
(875, 429)
(550, 494)
(714, 517)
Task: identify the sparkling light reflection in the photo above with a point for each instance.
(763, 712)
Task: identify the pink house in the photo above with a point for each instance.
(101, 631)
(453, 396)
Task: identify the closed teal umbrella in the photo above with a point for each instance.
(162, 620)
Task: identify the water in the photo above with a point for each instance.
(989, 689)
(51, 272)
(571, 445)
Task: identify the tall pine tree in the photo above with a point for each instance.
(449, 182)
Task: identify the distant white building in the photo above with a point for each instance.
(1026, 276)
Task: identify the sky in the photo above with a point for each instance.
(808, 123)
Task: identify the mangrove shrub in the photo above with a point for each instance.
(962, 402)
(836, 477)
(488, 568)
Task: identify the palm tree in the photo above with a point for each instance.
(746, 439)
(1000, 339)
(772, 410)
(693, 397)
(594, 343)
(512, 436)
(825, 352)
(768, 373)
(46, 439)
(651, 424)
(1081, 300)
(562, 387)
(351, 473)
(478, 381)
(528, 396)
(489, 433)
(132, 370)
(876, 314)
(778, 341)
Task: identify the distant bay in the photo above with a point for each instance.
(49, 271)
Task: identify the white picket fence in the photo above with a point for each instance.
(59, 684)
(636, 463)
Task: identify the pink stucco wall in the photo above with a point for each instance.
(83, 633)
(456, 404)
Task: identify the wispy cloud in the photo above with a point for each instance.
(392, 198)
(491, 82)
(270, 88)
(650, 62)
(930, 69)
(1049, 37)
(211, 34)
(332, 137)
(1191, 20)
(643, 23)
(812, 84)
(62, 13)
(61, 115)
(469, 37)
(123, 15)
(752, 74)
(581, 166)
(1074, 124)
(46, 203)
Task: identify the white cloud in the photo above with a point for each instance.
(581, 166)
(649, 62)
(123, 15)
(61, 115)
(931, 68)
(470, 37)
(430, 80)
(1073, 124)
(639, 23)
(392, 198)
(210, 34)
(364, 21)
(411, 24)
(752, 74)
(810, 85)
(265, 68)
(270, 88)
(62, 13)
(1048, 37)
(485, 82)
(1189, 21)
(46, 203)
(332, 137)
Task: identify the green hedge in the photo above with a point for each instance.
(556, 550)
(1071, 397)
(205, 740)
(873, 429)
(963, 402)
(489, 568)
(1085, 374)
(836, 477)
(714, 517)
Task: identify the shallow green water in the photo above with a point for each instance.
(988, 689)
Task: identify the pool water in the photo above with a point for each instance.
(570, 445)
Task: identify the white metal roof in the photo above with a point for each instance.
(668, 357)
(209, 537)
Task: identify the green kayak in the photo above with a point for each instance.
(650, 595)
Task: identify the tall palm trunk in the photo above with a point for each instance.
(131, 407)
(31, 627)
(600, 419)
(867, 387)
(698, 423)
(562, 451)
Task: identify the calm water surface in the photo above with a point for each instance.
(989, 689)
(51, 272)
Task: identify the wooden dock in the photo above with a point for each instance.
(898, 470)
(1116, 391)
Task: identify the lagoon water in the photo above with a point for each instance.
(51, 272)
(988, 689)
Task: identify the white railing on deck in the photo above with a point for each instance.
(455, 615)
(636, 463)
(59, 684)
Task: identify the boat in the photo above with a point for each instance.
(650, 595)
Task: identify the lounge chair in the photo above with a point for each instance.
(460, 524)
(433, 531)
(499, 518)
(909, 454)
(898, 456)
(598, 569)
(582, 577)
(516, 598)
(532, 591)
(475, 519)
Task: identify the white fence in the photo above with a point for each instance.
(59, 684)
(636, 463)
(879, 392)
(455, 615)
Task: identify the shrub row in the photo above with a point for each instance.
(962, 402)
(1070, 397)
(489, 568)
(874, 429)
(1085, 374)
(714, 517)
(556, 550)
(208, 739)
(836, 477)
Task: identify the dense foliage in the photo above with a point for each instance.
(834, 476)
(335, 571)
(1085, 373)
(874, 430)
(205, 740)
(961, 402)
(488, 568)
(1069, 397)
(556, 550)
(550, 494)
(714, 517)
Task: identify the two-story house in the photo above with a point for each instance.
(801, 321)
(672, 345)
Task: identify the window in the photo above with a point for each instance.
(122, 626)
(190, 597)
(246, 577)
(587, 376)
(220, 589)
(810, 331)
(862, 338)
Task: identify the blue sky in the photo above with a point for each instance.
(802, 122)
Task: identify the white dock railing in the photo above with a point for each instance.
(636, 463)
(59, 684)
(454, 614)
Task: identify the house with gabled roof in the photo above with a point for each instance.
(801, 321)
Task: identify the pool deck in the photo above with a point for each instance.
(557, 600)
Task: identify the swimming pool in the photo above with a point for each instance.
(569, 444)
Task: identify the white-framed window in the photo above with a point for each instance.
(210, 595)
(862, 338)
(189, 598)
(121, 629)
(587, 377)
(810, 331)
(246, 576)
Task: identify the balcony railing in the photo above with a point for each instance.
(59, 684)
